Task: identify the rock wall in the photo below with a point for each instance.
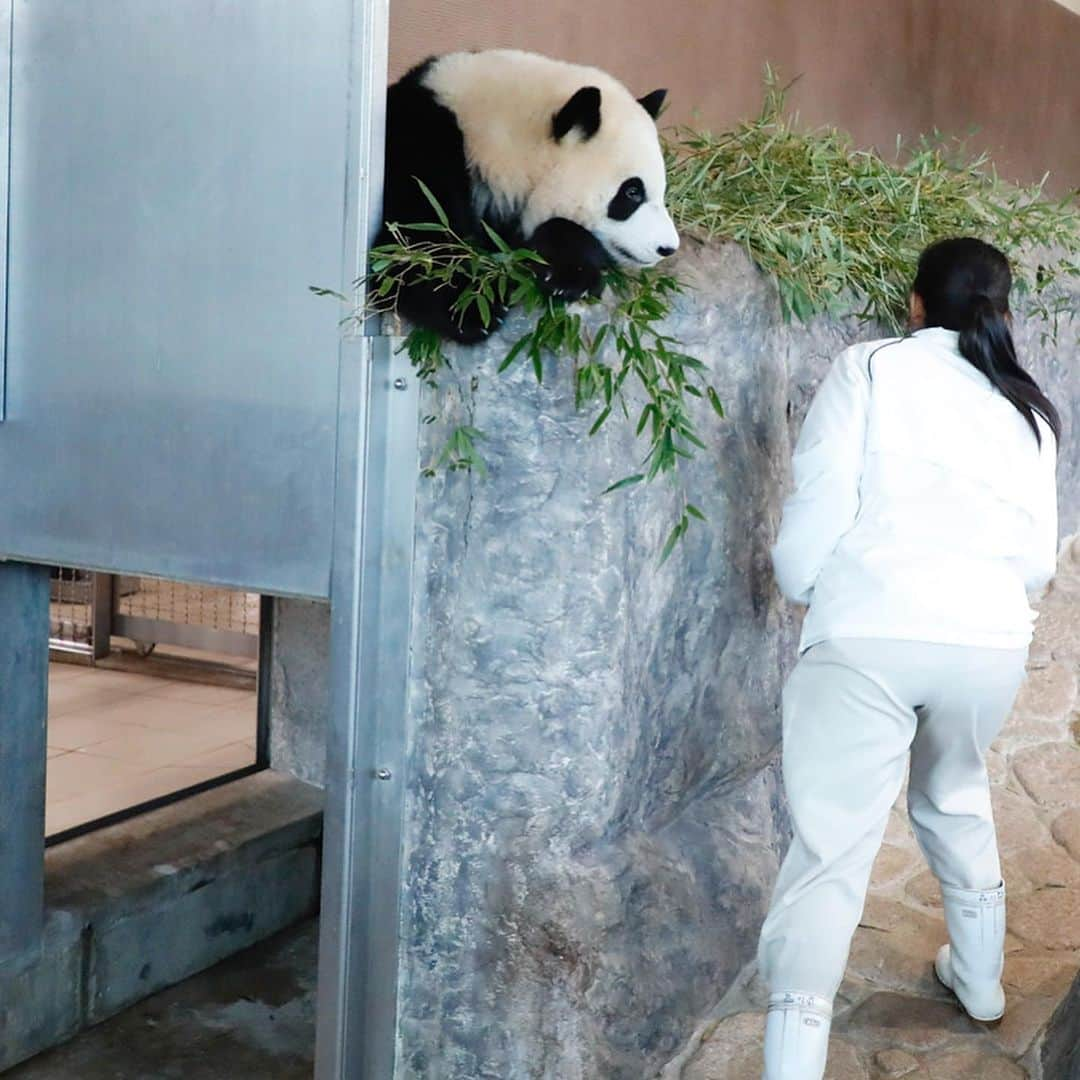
(1056, 367)
(300, 688)
(594, 815)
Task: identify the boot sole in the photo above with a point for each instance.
(990, 1022)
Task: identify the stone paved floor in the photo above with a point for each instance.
(251, 1017)
(892, 1018)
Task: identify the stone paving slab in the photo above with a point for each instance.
(892, 1017)
(251, 1017)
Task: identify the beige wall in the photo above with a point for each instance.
(875, 67)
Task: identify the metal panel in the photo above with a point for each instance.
(24, 657)
(177, 182)
(5, 148)
(180, 405)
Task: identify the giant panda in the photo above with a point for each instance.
(551, 155)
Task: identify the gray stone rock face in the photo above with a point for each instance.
(594, 817)
(1056, 368)
(299, 688)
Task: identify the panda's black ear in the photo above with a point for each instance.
(652, 103)
(581, 111)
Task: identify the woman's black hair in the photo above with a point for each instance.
(964, 285)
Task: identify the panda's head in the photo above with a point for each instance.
(607, 174)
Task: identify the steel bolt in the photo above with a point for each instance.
(383, 774)
(400, 383)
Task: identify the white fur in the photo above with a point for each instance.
(504, 101)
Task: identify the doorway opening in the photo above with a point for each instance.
(154, 694)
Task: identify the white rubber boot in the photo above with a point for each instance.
(796, 1036)
(971, 965)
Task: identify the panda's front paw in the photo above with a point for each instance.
(570, 282)
(574, 260)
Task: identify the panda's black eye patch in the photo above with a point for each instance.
(628, 198)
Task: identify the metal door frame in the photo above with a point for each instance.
(370, 597)
(370, 603)
(7, 17)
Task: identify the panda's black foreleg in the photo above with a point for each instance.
(575, 260)
(433, 309)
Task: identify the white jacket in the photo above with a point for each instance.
(923, 507)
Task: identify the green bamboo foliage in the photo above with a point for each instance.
(627, 347)
(840, 229)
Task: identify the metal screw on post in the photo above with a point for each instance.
(400, 383)
(383, 773)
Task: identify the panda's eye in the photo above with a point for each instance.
(628, 198)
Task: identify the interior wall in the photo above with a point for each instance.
(875, 67)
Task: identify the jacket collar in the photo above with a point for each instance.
(946, 345)
(938, 335)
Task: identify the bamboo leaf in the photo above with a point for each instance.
(427, 226)
(625, 482)
(495, 238)
(598, 423)
(647, 412)
(598, 340)
(515, 351)
(673, 538)
(318, 290)
(440, 213)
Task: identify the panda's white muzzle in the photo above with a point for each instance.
(645, 238)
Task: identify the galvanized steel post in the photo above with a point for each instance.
(24, 671)
(6, 17)
(370, 599)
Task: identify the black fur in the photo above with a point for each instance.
(652, 103)
(576, 259)
(424, 140)
(581, 111)
(627, 199)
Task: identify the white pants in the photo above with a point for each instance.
(853, 710)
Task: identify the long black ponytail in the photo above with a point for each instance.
(964, 285)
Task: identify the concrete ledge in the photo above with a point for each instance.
(138, 906)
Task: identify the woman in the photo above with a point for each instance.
(924, 511)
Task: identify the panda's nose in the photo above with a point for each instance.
(664, 251)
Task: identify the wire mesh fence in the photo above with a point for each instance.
(189, 605)
(70, 615)
(149, 611)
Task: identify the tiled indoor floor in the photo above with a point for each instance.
(117, 739)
